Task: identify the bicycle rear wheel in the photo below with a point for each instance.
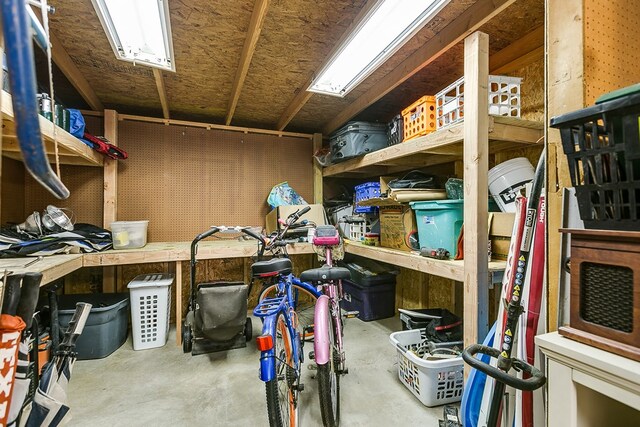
(329, 383)
(304, 307)
(282, 405)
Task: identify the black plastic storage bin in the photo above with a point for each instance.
(372, 302)
(602, 145)
(106, 327)
(443, 327)
(355, 139)
(367, 272)
(395, 130)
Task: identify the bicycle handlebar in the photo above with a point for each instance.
(536, 381)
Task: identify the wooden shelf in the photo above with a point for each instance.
(181, 251)
(71, 150)
(449, 269)
(442, 146)
(52, 267)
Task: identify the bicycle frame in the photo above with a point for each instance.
(328, 305)
(268, 310)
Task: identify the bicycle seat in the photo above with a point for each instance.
(271, 267)
(325, 273)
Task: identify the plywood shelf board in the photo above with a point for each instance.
(51, 267)
(181, 251)
(504, 133)
(67, 143)
(449, 269)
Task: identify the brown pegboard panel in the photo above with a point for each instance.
(611, 46)
(185, 179)
(85, 185)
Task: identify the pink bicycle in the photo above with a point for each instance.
(328, 333)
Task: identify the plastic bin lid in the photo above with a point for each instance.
(149, 280)
(430, 204)
(99, 302)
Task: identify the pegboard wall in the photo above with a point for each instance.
(185, 179)
(84, 182)
(611, 46)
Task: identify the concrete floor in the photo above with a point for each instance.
(165, 387)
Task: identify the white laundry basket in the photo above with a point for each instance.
(433, 382)
(150, 305)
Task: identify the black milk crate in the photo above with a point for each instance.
(602, 145)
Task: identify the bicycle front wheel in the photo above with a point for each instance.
(329, 383)
(282, 405)
(304, 306)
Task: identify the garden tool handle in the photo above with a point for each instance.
(536, 380)
(76, 325)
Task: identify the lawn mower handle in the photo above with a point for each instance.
(536, 381)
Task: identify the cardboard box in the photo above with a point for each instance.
(316, 214)
(397, 223)
(500, 234)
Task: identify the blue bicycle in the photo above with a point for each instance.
(286, 308)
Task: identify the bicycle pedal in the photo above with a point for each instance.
(350, 314)
(298, 387)
(312, 355)
(344, 371)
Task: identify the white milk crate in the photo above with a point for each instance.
(150, 305)
(504, 100)
(434, 382)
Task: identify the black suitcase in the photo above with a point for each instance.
(355, 139)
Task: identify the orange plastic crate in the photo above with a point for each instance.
(420, 117)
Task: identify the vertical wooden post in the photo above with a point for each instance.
(110, 202)
(178, 285)
(317, 170)
(564, 92)
(476, 152)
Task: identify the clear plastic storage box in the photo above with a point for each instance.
(129, 234)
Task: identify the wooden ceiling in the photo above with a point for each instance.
(248, 62)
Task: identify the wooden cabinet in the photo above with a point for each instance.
(589, 387)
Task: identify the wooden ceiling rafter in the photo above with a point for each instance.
(466, 23)
(522, 52)
(296, 104)
(162, 92)
(73, 74)
(251, 41)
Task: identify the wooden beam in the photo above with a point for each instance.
(530, 46)
(565, 92)
(253, 34)
(162, 93)
(209, 126)
(73, 74)
(295, 106)
(317, 170)
(476, 163)
(110, 210)
(469, 21)
(177, 271)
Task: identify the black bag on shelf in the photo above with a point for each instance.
(415, 179)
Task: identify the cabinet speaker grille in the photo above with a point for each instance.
(606, 295)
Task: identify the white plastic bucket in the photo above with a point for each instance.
(507, 179)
